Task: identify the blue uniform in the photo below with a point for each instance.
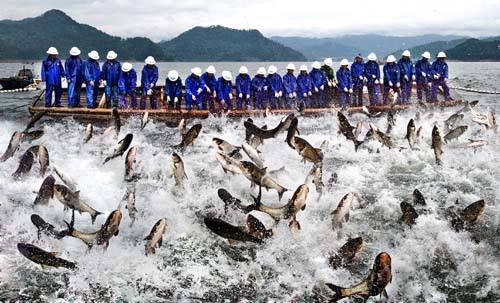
(423, 74)
(439, 72)
(74, 77)
(127, 84)
(275, 87)
(358, 74)
(391, 80)
(149, 77)
(259, 91)
(243, 90)
(318, 78)
(210, 83)
(52, 71)
(194, 87)
(173, 89)
(372, 74)
(111, 74)
(290, 88)
(344, 80)
(91, 76)
(304, 89)
(407, 74)
(224, 92)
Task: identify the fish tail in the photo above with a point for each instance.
(71, 229)
(337, 292)
(357, 144)
(281, 192)
(106, 160)
(93, 216)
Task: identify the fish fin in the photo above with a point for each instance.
(264, 170)
(160, 242)
(148, 237)
(280, 193)
(337, 292)
(303, 207)
(347, 216)
(116, 233)
(384, 293)
(93, 217)
(357, 144)
(106, 160)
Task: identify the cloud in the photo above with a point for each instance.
(313, 18)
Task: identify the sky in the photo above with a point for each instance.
(165, 19)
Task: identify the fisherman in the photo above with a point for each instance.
(275, 87)
(110, 75)
(243, 88)
(225, 90)
(423, 74)
(372, 75)
(318, 79)
(194, 87)
(407, 72)
(127, 85)
(52, 72)
(330, 79)
(209, 92)
(92, 75)
(344, 85)
(304, 87)
(149, 77)
(439, 72)
(358, 80)
(290, 85)
(391, 78)
(259, 89)
(173, 90)
(74, 76)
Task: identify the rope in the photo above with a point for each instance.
(473, 90)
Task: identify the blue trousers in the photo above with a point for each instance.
(92, 93)
(133, 98)
(423, 87)
(49, 88)
(374, 93)
(387, 88)
(435, 86)
(288, 101)
(357, 92)
(344, 98)
(144, 96)
(406, 87)
(111, 92)
(307, 100)
(190, 101)
(259, 99)
(243, 102)
(74, 91)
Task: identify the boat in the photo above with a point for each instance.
(174, 115)
(23, 79)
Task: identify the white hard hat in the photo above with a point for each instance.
(111, 55)
(173, 75)
(316, 65)
(406, 53)
(94, 55)
(227, 75)
(303, 68)
(391, 59)
(344, 62)
(74, 51)
(126, 67)
(426, 55)
(372, 57)
(196, 71)
(211, 69)
(261, 71)
(272, 69)
(290, 66)
(328, 61)
(52, 51)
(441, 55)
(150, 60)
(243, 70)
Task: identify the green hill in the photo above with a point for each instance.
(29, 39)
(433, 48)
(476, 50)
(217, 43)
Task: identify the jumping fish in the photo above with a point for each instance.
(123, 145)
(101, 237)
(88, 133)
(437, 144)
(43, 257)
(347, 130)
(178, 170)
(229, 231)
(411, 134)
(227, 148)
(455, 133)
(43, 227)
(189, 137)
(36, 117)
(182, 127)
(228, 164)
(253, 154)
(341, 213)
(132, 210)
(346, 253)
(13, 146)
(67, 180)
(307, 151)
(32, 136)
(409, 214)
(117, 121)
(258, 176)
(25, 164)
(418, 198)
(292, 131)
(72, 200)
(144, 120)
(46, 191)
(155, 237)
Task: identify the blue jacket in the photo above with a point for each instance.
(440, 68)
(91, 71)
(243, 84)
(111, 73)
(344, 78)
(173, 88)
(149, 75)
(423, 65)
(52, 71)
(128, 81)
(406, 68)
(318, 77)
(275, 83)
(372, 68)
(304, 84)
(357, 69)
(289, 83)
(209, 81)
(193, 84)
(391, 73)
(258, 83)
(74, 69)
(224, 88)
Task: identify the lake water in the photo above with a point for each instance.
(430, 261)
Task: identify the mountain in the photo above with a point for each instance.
(30, 38)
(218, 43)
(476, 50)
(433, 48)
(350, 45)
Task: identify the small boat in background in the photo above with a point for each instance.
(24, 78)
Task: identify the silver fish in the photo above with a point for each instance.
(228, 164)
(178, 170)
(155, 237)
(88, 133)
(341, 213)
(14, 143)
